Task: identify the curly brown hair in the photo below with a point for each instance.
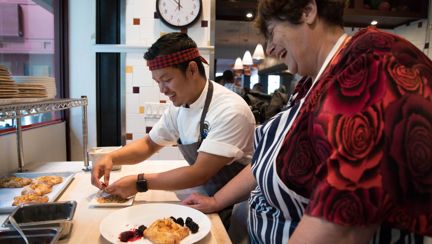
(331, 11)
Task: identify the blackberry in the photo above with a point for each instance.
(193, 227)
(180, 221)
(126, 235)
(140, 230)
(174, 219)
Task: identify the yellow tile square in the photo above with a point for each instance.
(129, 69)
(141, 109)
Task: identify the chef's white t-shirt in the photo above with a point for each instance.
(229, 120)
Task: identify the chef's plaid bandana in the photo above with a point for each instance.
(174, 58)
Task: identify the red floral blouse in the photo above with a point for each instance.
(361, 146)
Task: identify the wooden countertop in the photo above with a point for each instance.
(87, 219)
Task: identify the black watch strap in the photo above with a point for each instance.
(141, 183)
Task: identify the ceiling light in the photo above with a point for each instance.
(247, 58)
(374, 22)
(249, 15)
(258, 54)
(238, 64)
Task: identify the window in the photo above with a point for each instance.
(29, 45)
(254, 78)
(273, 83)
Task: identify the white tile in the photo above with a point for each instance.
(135, 124)
(132, 103)
(133, 34)
(133, 59)
(137, 136)
(150, 122)
(129, 83)
(149, 94)
(140, 75)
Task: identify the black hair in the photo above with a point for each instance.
(228, 76)
(171, 43)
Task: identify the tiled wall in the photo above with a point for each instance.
(144, 102)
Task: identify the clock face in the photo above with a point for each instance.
(179, 13)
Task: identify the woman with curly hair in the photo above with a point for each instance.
(350, 160)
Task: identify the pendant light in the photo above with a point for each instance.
(247, 58)
(258, 54)
(238, 64)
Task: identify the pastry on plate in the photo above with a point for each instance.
(165, 231)
(49, 179)
(111, 199)
(14, 182)
(29, 198)
(37, 189)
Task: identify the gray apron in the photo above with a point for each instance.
(190, 153)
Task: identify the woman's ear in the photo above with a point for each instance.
(310, 12)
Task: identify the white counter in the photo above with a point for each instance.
(87, 219)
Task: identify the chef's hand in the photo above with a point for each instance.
(101, 168)
(202, 203)
(124, 187)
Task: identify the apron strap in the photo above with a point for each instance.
(205, 110)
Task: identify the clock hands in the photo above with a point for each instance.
(178, 4)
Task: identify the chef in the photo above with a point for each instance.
(211, 125)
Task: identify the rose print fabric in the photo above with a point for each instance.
(360, 150)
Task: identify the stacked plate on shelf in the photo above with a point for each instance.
(8, 87)
(36, 86)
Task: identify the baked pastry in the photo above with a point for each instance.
(111, 199)
(14, 182)
(165, 231)
(37, 189)
(29, 198)
(49, 179)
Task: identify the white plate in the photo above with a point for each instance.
(95, 203)
(144, 214)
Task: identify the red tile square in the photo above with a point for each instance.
(129, 136)
(135, 89)
(136, 21)
(204, 23)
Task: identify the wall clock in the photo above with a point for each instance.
(179, 13)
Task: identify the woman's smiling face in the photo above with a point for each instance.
(286, 42)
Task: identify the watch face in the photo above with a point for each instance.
(179, 13)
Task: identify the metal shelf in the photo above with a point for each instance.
(22, 109)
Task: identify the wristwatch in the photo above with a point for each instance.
(141, 183)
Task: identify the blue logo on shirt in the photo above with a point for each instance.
(205, 130)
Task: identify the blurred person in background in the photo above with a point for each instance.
(230, 83)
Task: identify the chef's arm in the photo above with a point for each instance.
(205, 167)
(135, 152)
